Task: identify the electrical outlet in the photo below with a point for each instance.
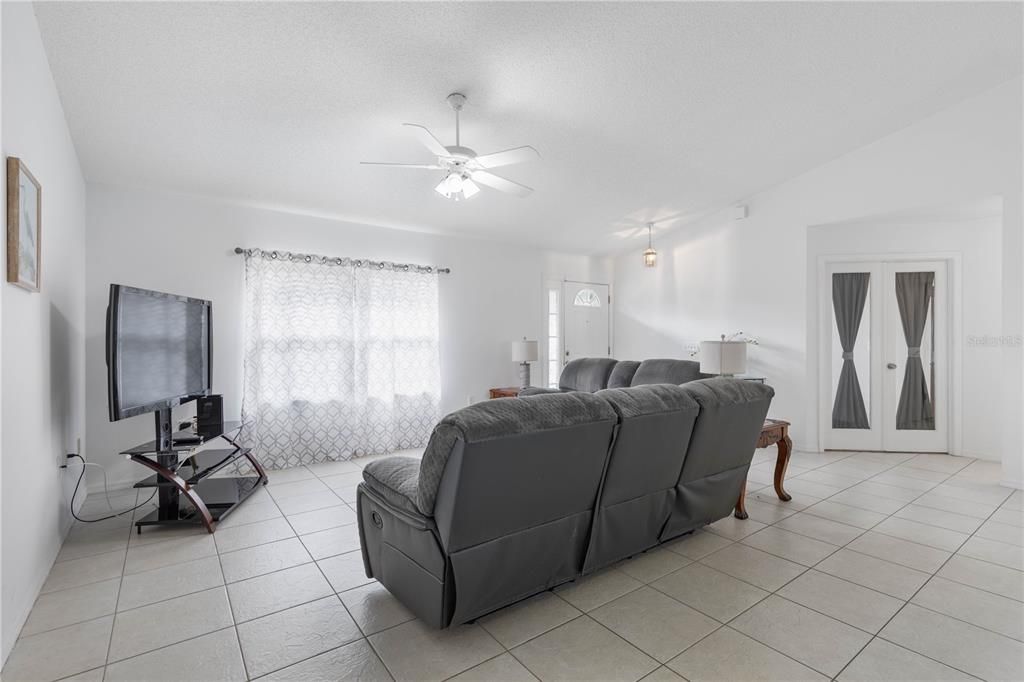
(692, 348)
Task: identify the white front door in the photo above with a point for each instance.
(586, 320)
(887, 350)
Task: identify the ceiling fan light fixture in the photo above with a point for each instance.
(457, 187)
(469, 188)
(650, 255)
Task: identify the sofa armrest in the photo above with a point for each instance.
(396, 479)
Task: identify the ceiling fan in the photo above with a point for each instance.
(463, 169)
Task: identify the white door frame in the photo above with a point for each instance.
(954, 358)
(559, 286)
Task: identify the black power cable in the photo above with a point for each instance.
(104, 518)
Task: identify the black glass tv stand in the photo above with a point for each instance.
(180, 471)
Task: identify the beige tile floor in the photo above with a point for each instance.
(882, 567)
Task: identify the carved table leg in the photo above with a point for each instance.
(785, 447)
(741, 509)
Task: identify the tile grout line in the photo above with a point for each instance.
(982, 589)
(336, 594)
(117, 599)
(231, 610)
(967, 622)
(726, 624)
(161, 648)
(905, 602)
(775, 593)
(916, 592)
(121, 577)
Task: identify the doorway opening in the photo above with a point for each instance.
(578, 324)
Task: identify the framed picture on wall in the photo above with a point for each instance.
(24, 206)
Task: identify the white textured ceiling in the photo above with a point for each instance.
(640, 111)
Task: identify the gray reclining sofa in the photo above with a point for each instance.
(594, 374)
(515, 496)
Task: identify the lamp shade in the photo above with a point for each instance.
(723, 357)
(524, 351)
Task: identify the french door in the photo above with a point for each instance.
(886, 341)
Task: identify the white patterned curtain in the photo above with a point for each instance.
(341, 357)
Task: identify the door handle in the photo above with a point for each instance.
(891, 365)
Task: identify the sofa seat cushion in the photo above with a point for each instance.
(396, 479)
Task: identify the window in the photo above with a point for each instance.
(554, 354)
(587, 298)
(341, 360)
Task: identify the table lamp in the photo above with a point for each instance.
(524, 352)
(725, 358)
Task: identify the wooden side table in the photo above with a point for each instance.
(507, 392)
(773, 432)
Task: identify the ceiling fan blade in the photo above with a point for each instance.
(428, 166)
(499, 183)
(428, 140)
(508, 157)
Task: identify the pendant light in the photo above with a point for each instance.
(650, 255)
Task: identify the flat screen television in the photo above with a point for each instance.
(158, 350)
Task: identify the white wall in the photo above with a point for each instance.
(43, 343)
(717, 275)
(183, 244)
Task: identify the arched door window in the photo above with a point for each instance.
(587, 298)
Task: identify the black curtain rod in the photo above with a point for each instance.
(358, 262)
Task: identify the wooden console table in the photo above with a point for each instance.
(773, 432)
(507, 392)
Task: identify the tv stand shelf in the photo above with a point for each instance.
(194, 468)
(179, 471)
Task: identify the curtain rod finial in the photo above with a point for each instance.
(239, 249)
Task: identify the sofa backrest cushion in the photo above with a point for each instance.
(732, 412)
(516, 498)
(497, 420)
(586, 374)
(622, 374)
(655, 423)
(667, 371)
